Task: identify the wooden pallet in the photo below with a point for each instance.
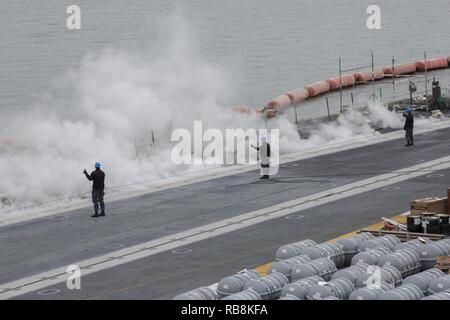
(404, 235)
(443, 263)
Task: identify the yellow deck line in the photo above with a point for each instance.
(263, 269)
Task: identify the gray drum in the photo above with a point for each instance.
(428, 254)
(247, 294)
(351, 273)
(413, 244)
(322, 267)
(375, 274)
(423, 279)
(202, 293)
(350, 245)
(444, 295)
(407, 291)
(370, 292)
(289, 297)
(300, 288)
(439, 284)
(331, 298)
(406, 260)
(370, 256)
(293, 249)
(285, 266)
(388, 241)
(268, 287)
(235, 283)
(445, 245)
(326, 250)
(339, 288)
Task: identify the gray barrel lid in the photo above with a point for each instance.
(439, 284)
(300, 288)
(247, 294)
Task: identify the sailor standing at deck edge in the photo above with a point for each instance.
(264, 154)
(98, 186)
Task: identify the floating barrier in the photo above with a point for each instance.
(436, 63)
(406, 68)
(345, 81)
(366, 76)
(297, 95)
(279, 102)
(317, 88)
(242, 109)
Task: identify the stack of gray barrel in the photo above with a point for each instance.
(313, 251)
(424, 279)
(371, 292)
(293, 249)
(247, 294)
(429, 252)
(407, 291)
(285, 266)
(299, 288)
(339, 288)
(370, 256)
(202, 293)
(444, 295)
(363, 274)
(362, 267)
(268, 287)
(350, 246)
(406, 260)
(388, 241)
(439, 284)
(322, 267)
(235, 283)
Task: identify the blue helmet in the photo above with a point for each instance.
(408, 109)
(98, 165)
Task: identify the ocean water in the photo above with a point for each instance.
(266, 46)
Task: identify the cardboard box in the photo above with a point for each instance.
(431, 204)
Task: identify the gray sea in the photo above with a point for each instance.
(267, 46)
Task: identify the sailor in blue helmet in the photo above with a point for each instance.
(409, 125)
(98, 186)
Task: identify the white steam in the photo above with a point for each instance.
(119, 98)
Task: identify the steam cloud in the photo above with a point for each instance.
(119, 98)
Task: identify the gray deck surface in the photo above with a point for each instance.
(39, 245)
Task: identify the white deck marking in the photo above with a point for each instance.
(214, 229)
